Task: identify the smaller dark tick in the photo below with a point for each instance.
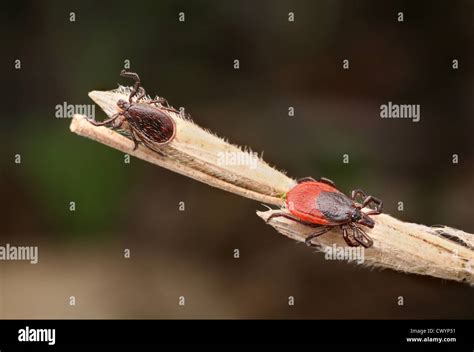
(146, 121)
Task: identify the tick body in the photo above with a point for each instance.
(319, 204)
(146, 122)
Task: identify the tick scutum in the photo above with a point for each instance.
(335, 206)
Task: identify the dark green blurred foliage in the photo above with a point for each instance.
(95, 180)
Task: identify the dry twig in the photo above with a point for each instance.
(410, 248)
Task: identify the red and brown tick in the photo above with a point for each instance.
(147, 122)
(321, 205)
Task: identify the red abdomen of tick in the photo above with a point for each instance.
(318, 203)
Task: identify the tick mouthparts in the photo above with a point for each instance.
(367, 221)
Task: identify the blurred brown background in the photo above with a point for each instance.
(283, 64)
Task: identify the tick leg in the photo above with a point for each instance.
(149, 145)
(377, 205)
(119, 121)
(327, 181)
(290, 217)
(163, 105)
(135, 90)
(170, 109)
(142, 94)
(136, 86)
(358, 193)
(161, 101)
(361, 237)
(349, 238)
(305, 179)
(134, 138)
(311, 179)
(132, 75)
(105, 122)
(322, 231)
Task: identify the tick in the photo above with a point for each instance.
(321, 205)
(146, 121)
